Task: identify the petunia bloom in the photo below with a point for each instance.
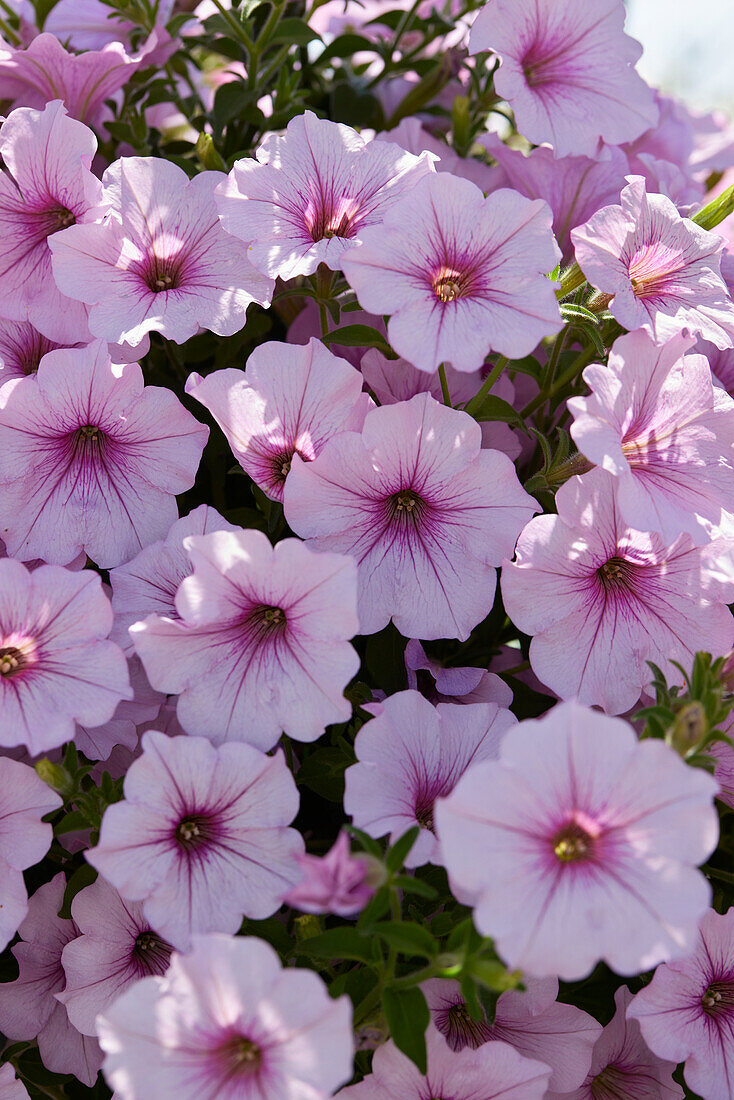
(461, 275)
(411, 754)
(569, 855)
(312, 192)
(46, 185)
(261, 642)
(567, 72)
(160, 262)
(147, 584)
(662, 270)
(90, 459)
(623, 1065)
(115, 947)
(10, 1087)
(424, 511)
(290, 400)
(656, 423)
(22, 347)
(533, 1022)
(495, 1072)
(28, 1006)
(453, 685)
(201, 836)
(687, 1010)
(335, 883)
(24, 838)
(56, 665)
(602, 599)
(227, 1021)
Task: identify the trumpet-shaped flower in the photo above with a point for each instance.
(461, 275)
(312, 192)
(424, 511)
(567, 71)
(201, 836)
(227, 1021)
(160, 262)
(570, 855)
(334, 883)
(290, 400)
(90, 459)
(260, 646)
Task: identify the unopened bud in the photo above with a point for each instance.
(727, 672)
(494, 975)
(715, 211)
(55, 776)
(307, 926)
(689, 729)
(208, 154)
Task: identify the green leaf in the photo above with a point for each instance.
(340, 943)
(358, 336)
(408, 1017)
(408, 939)
(396, 855)
(495, 408)
(73, 823)
(369, 844)
(411, 885)
(344, 46)
(294, 31)
(377, 907)
(83, 876)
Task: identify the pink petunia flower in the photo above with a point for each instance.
(662, 270)
(22, 347)
(335, 883)
(24, 838)
(160, 262)
(147, 584)
(574, 187)
(44, 70)
(227, 1021)
(424, 511)
(623, 1065)
(10, 1087)
(495, 1072)
(201, 836)
(98, 742)
(602, 599)
(534, 1023)
(45, 186)
(461, 275)
(261, 644)
(657, 424)
(56, 665)
(686, 1011)
(411, 754)
(567, 71)
(410, 135)
(312, 192)
(569, 854)
(115, 948)
(92, 24)
(28, 1006)
(290, 400)
(90, 459)
(453, 685)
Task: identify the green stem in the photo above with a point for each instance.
(9, 34)
(444, 385)
(568, 375)
(473, 406)
(239, 31)
(571, 279)
(324, 318)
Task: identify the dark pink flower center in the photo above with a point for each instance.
(461, 1031)
(406, 507)
(543, 63)
(12, 661)
(449, 283)
(162, 275)
(718, 998)
(651, 268)
(238, 1056)
(575, 841)
(195, 831)
(267, 622)
(612, 1084)
(617, 574)
(151, 954)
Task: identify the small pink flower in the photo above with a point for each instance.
(312, 192)
(493, 1072)
(461, 275)
(569, 855)
(98, 742)
(228, 1022)
(24, 838)
(160, 262)
(424, 511)
(602, 599)
(56, 665)
(261, 642)
(90, 459)
(410, 135)
(663, 271)
(567, 71)
(334, 883)
(115, 948)
(656, 423)
(411, 754)
(687, 1010)
(453, 685)
(45, 186)
(147, 584)
(22, 347)
(533, 1022)
(623, 1065)
(290, 400)
(201, 836)
(28, 1006)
